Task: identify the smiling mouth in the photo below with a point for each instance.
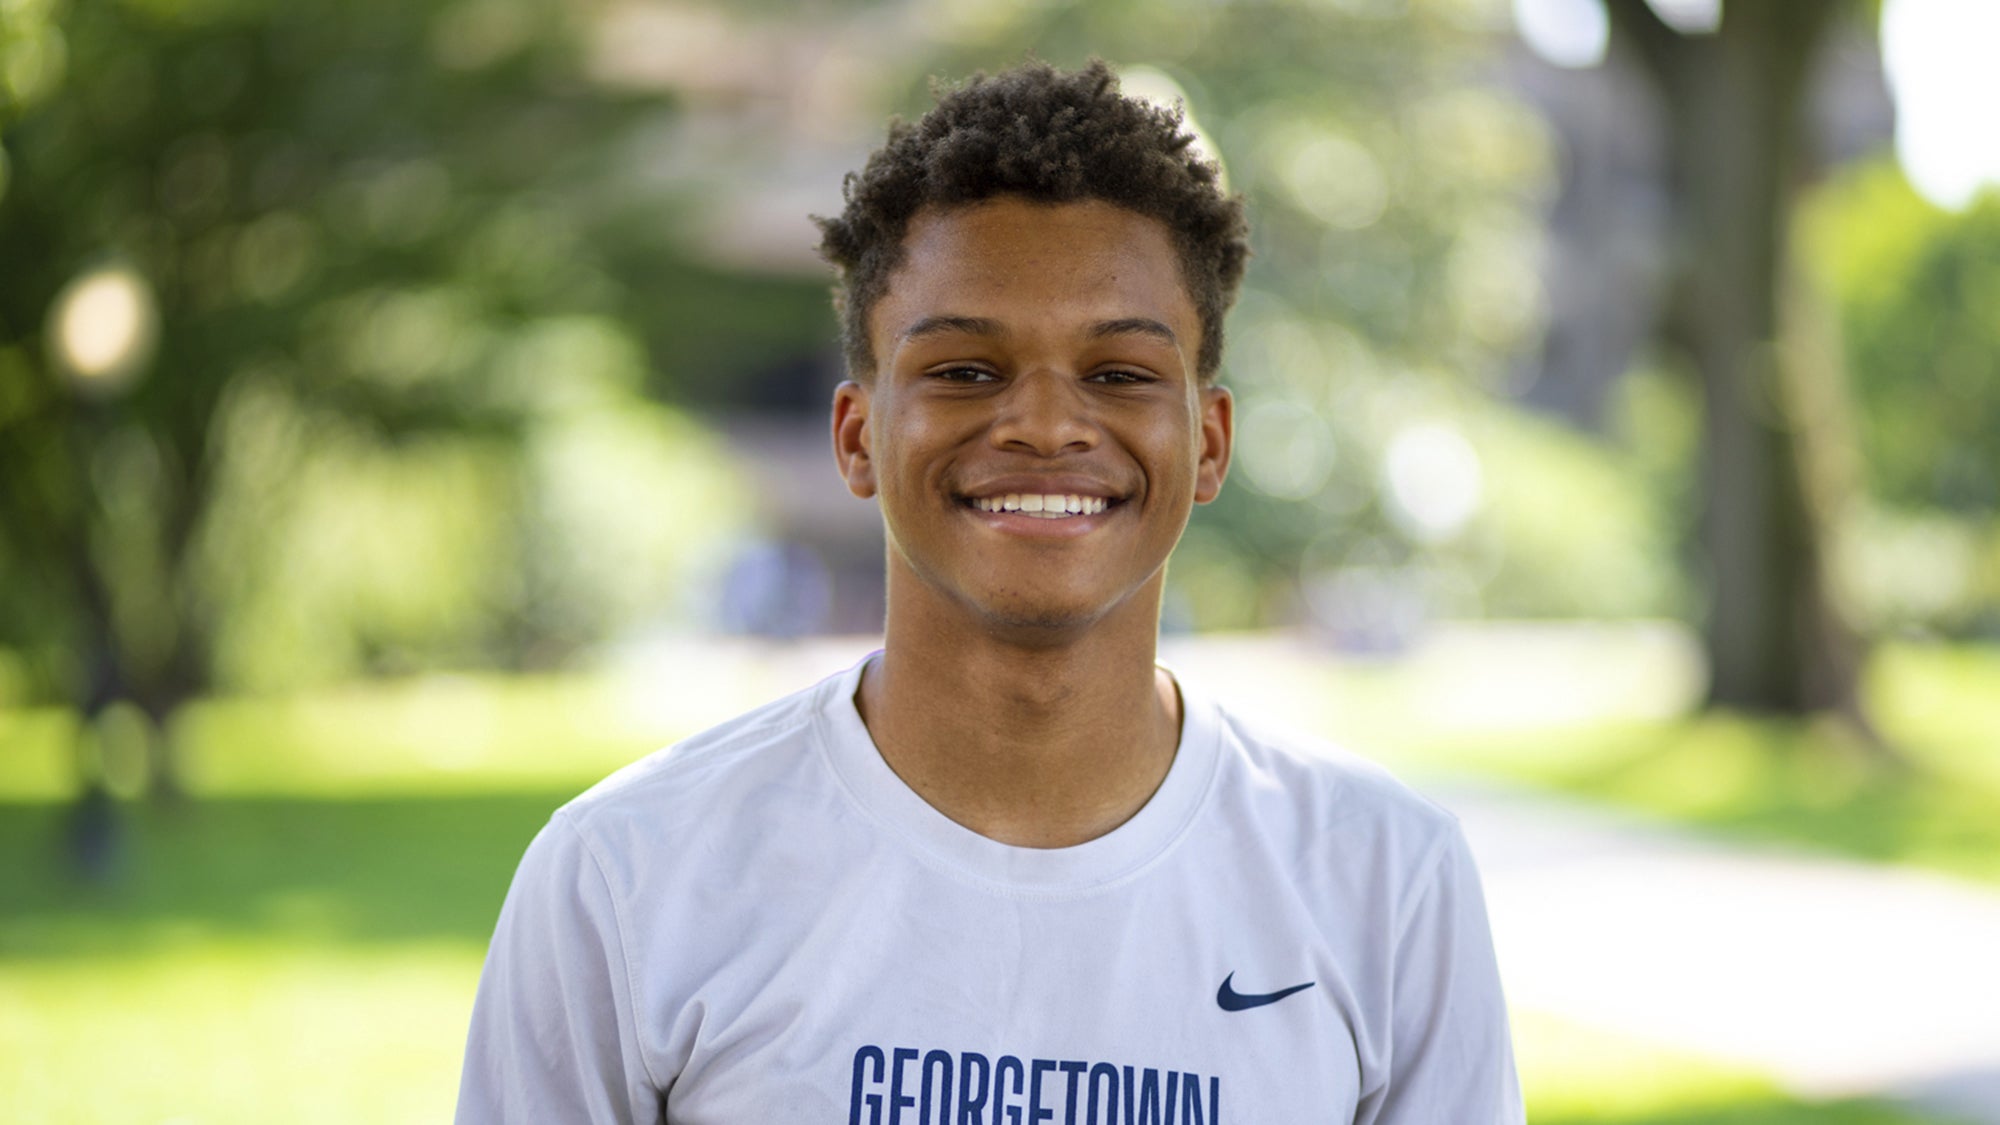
(1048, 506)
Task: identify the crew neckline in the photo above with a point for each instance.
(1092, 865)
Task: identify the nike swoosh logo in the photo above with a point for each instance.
(1234, 1001)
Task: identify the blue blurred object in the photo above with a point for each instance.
(776, 589)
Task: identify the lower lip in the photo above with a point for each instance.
(1039, 527)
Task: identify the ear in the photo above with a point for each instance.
(850, 438)
(1218, 433)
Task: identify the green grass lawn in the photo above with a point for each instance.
(257, 959)
(302, 940)
(1756, 778)
(1573, 1075)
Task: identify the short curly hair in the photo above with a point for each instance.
(1046, 135)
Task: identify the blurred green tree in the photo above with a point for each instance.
(251, 244)
(1916, 286)
(1733, 101)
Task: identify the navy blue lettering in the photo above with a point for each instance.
(1191, 1110)
(1103, 1085)
(1149, 1097)
(1071, 1071)
(972, 1099)
(1036, 1112)
(872, 1101)
(940, 1062)
(903, 1056)
(1001, 1069)
(916, 1086)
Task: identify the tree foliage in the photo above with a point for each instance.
(386, 244)
(1917, 287)
(358, 252)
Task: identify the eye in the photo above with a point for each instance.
(1121, 377)
(964, 375)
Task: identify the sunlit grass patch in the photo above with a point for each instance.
(1943, 706)
(35, 759)
(1572, 1072)
(441, 733)
(1772, 779)
(252, 959)
(1572, 1075)
(226, 1032)
(424, 734)
(355, 870)
(429, 734)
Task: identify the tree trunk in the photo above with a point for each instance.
(93, 833)
(1775, 635)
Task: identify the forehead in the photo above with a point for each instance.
(1051, 263)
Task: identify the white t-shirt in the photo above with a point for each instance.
(765, 926)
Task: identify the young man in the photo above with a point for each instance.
(1007, 871)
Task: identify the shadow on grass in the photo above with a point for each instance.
(1786, 781)
(350, 871)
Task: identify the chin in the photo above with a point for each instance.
(1043, 621)
(1003, 605)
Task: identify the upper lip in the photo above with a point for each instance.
(1039, 484)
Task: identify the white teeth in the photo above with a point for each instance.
(1044, 506)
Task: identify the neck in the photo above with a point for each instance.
(1040, 738)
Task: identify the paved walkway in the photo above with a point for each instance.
(1834, 978)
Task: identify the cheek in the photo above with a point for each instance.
(1175, 446)
(910, 447)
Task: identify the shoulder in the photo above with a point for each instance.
(1307, 766)
(1327, 800)
(705, 776)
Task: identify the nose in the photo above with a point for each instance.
(1044, 413)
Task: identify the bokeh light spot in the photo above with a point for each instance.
(1337, 181)
(1938, 54)
(1156, 87)
(1565, 33)
(1287, 451)
(1433, 480)
(32, 65)
(274, 254)
(103, 326)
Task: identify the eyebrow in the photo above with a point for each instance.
(985, 326)
(940, 325)
(1135, 325)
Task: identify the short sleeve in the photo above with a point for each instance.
(1450, 1056)
(553, 1036)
